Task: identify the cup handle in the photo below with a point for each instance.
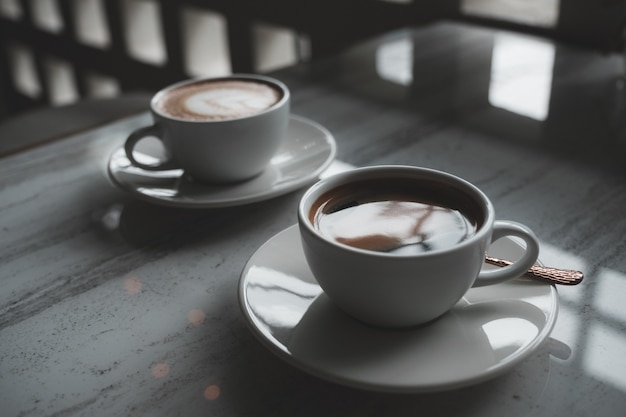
(503, 228)
(135, 137)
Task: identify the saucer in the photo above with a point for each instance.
(487, 333)
(308, 150)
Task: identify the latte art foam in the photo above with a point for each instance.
(218, 100)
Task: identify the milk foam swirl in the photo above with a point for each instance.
(218, 100)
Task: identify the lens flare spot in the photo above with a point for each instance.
(132, 285)
(212, 392)
(160, 370)
(196, 317)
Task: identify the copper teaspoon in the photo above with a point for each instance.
(544, 273)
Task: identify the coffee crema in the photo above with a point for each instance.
(215, 100)
(396, 216)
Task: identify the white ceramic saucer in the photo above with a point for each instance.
(308, 150)
(488, 332)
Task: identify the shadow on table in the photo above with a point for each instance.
(139, 223)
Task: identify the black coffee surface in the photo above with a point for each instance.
(400, 217)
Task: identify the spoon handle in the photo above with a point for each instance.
(544, 273)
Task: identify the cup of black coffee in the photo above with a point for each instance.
(218, 130)
(398, 246)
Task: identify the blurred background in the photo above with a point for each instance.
(59, 52)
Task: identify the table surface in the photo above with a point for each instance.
(114, 306)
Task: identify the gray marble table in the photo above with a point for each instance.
(116, 307)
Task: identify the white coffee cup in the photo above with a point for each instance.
(383, 257)
(217, 130)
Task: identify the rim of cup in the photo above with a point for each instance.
(394, 171)
(251, 77)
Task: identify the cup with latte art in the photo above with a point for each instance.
(218, 130)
